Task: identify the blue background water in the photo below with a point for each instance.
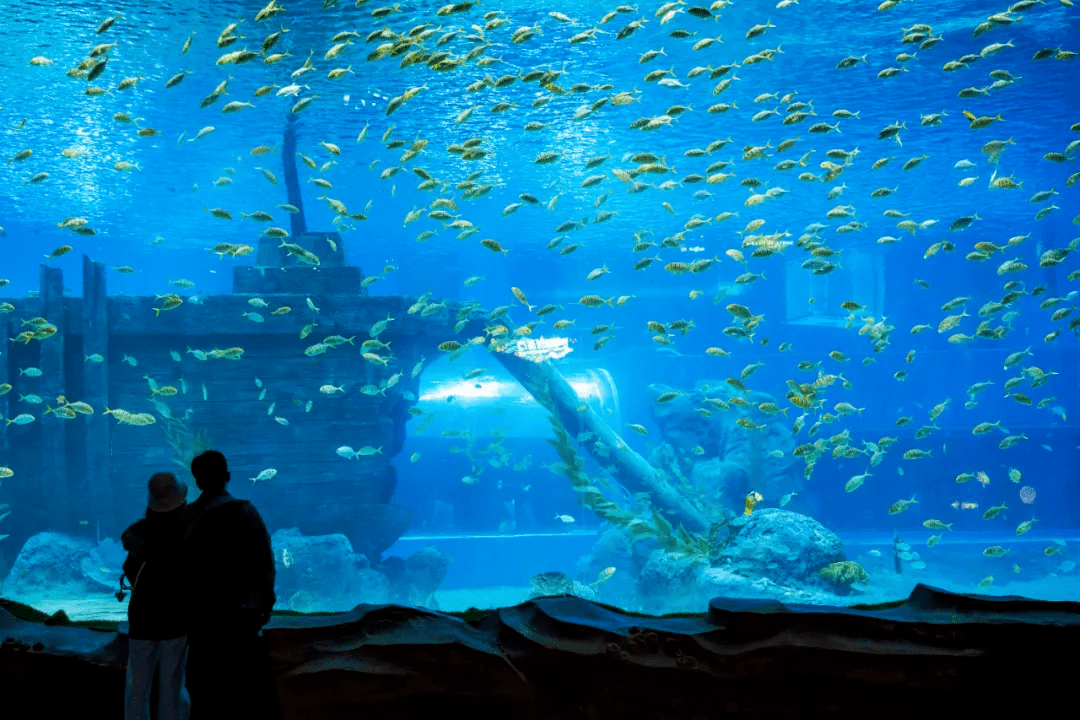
(130, 209)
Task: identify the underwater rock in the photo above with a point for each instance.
(679, 424)
(718, 478)
(736, 460)
(425, 570)
(784, 546)
(614, 548)
(327, 569)
(51, 563)
(370, 587)
(667, 582)
(721, 582)
(105, 564)
(551, 583)
(842, 575)
(611, 549)
(303, 601)
(559, 583)
(378, 527)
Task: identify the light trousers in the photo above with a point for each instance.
(166, 658)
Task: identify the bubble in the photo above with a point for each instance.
(1027, 494)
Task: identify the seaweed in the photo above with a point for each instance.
(678, 542)
(185, 443)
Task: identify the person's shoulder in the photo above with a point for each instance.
(245, 506)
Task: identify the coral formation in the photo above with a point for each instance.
(844, 573)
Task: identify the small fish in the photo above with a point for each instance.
(752, 498)
(265, 475)
(901, 505)
(603, 576)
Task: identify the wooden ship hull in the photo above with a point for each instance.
(95, 468)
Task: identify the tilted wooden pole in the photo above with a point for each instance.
(630, 469)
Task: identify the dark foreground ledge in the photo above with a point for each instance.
(564, 657)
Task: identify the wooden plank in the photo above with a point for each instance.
(55, 496)
(323, 280)
(95, 339)
(25, 308)
(223, 315)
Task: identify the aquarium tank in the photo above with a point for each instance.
(645, 303)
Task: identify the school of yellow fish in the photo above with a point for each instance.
(459, 45)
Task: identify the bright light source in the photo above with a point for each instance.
(541, 349)
(509, 392)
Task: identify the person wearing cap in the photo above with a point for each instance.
(157, 617)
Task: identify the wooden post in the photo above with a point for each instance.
(631, 470)
(95, 331)
(55, 496)
(5, 400)
(292, 180)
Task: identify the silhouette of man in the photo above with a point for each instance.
(230, 569)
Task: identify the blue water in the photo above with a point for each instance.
(154, 218)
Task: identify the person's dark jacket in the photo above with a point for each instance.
(230, 562)
(157, 610)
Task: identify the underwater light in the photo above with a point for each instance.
(540, 349)
(467, 389)
(493, 400)
(496, 389)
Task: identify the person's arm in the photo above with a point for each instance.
(137, 548)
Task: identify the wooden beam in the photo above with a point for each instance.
(55, 495)
(630, 469)
(297, 223)
(224, 315)
(95, 332)
(6, 400)
(321, 281)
